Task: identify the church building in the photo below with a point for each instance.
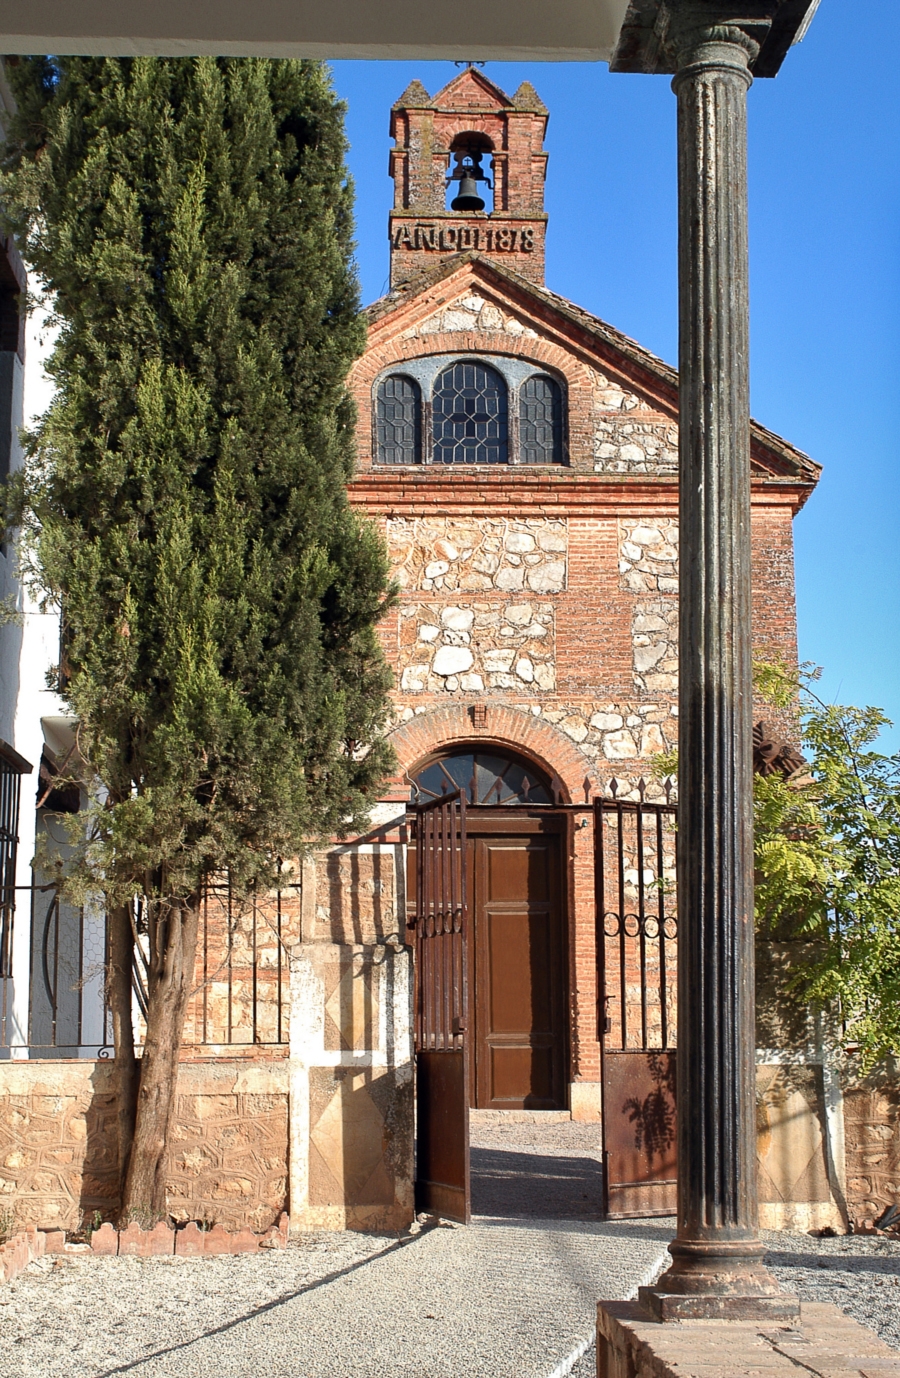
(501, 942)
(520, 456)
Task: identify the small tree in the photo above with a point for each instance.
(828, 862)
(184, 498)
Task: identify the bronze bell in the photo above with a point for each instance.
(468, 198)
(468, 173)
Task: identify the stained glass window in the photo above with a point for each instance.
(486, 778)
(540, 421)
(469, 413)
(398, 428)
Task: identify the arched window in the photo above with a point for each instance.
(469, 413)
(398, 408)
(486, 777)
(540, 421)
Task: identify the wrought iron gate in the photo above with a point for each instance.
(442, 1002)
(634, 856)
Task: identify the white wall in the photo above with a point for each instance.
(31, 713)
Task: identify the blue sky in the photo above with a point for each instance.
(825, 282)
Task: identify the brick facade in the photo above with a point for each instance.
(546, 594)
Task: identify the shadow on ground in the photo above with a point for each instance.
(836, 1263)
(510, 1184)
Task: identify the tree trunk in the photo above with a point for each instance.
(126, 1070)
(173, 946)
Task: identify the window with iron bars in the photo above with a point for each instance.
(12, 768)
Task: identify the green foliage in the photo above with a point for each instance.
(828, 862)
(184, 496)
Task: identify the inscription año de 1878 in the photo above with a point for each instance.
(457, 238)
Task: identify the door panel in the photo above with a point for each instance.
(442, 1003)
(523, 1074)
(442, 1135)
(518, 869)
(519, 945)
(639, 1159)
(519, 1039)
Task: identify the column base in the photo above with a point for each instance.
(725, 1280)
(675, 1306)
(631, 1344)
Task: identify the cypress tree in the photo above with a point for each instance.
(184, 500)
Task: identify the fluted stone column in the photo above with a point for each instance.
(717, 1256)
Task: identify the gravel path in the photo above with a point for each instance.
(859, 1273)
(510, 1297)
(536, 1171)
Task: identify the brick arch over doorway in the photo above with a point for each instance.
(529, 736)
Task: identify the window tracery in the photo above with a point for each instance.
(480, 412)
(469, 412)
(540, 421)
(398, 420)
(487, 777)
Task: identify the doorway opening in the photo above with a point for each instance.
(487, 868)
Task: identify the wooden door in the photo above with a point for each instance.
(519, 977)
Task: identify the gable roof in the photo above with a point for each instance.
(468, 88)
(472, 86)
(608, 345)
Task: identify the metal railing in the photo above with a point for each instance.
(10, 786)
(242, 975)
(636, 921)
(54, 1004)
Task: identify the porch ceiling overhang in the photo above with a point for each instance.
(495, 30)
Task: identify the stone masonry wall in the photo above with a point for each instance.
(508, 644)
(872, 1136)
(478, 555)
(227, 1160)
(472, 646)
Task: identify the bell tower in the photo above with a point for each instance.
(468, 169)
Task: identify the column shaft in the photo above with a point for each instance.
(717, 1153)
(717, 1257)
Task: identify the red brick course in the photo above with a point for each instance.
(19, 1251)
(505, 725)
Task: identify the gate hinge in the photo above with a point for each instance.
(459, 1025)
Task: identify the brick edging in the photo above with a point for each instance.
(189, 1241)
(19, 1251)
